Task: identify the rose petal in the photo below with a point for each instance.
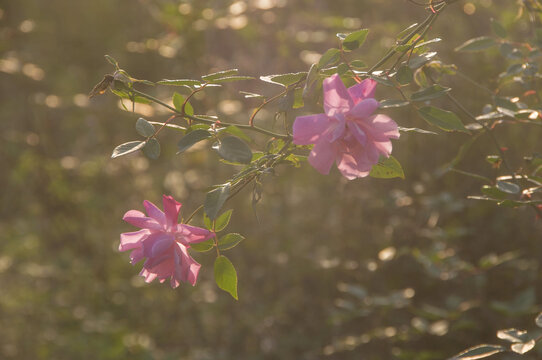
(380, 127)
(132, 240)
(336, 128)
(363, 109)
(357, 132)
(322, 156)
(189, 268)
(154, 212)
(152, 239)
(336, 97)
(136, 255)
(350, 168)
(187, 234)
(363, 90)
(137, 218)
(162, 245)
(309, 129)
(172, 209)
(384, 147)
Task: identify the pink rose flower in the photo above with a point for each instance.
(163, 242)
(347, 133)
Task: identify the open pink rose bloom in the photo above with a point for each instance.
(163, 242)
(347, 133)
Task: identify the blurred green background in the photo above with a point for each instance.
(367, 269)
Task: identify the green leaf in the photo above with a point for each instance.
(180, 82)
(421, 131)
(479, 352)
(126, 94)
(498, 29)
(508, 187)
(387, 169)
(420, 78)
(223, 220)
(230, 79)
(393, 103)
(219, 75)
(215, 199)
(226, 276)
(404, 75)
(171, 126)
(446, 120)
(354, 40)
(144, 128)
(191, 138)
(382, 80)
(112, 61)
(234, 130)
(425, 43)
(417, 61)
(512, 335)
(358, 64)
(152, 149)
(203, 246)
(284, 79)
(477, 44)
(493, 192)
(178, 101)
(234, 150)
(431, 92)
(249, 95)
(493, 159)
(127, 148)
(229, 241)
(522, 348)
(330, 57)
(208, 223)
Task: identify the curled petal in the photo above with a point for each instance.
(384, 147)
(154, 238)
(322, 156)
(309, 129)
(358, 133)
(368, 154)
(136, 255)
(336, 97)
(149, 276)
(153, 262)
(161, 246)
(351, 168)
(336, 128)
(189, 268)
(363, 90)
(172, 209)
(187, 234)
(155, 213)
(363, 109)
(381, 127)
(132, 240)
(137, 218)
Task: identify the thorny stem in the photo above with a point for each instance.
(474, 82)
(406, 39)
(211, 122)
(270, 100)
(267, 101)
(486, 128)
(248, 179)
(343, 58)
(193, 214)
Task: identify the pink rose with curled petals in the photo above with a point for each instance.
(163, 242)
(347, 133)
